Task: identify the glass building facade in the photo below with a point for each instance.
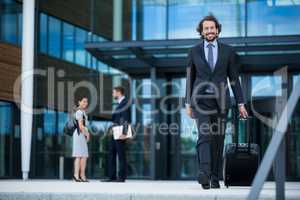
(148, 20)
(177, 19)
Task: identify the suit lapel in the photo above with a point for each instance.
(121, 104)
(219, 58)
(117, 107)
(202, 54)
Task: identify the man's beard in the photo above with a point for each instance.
(210, 40)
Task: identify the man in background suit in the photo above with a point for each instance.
(120, 116)
(210, 63)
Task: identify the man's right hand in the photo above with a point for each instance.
(189, 111)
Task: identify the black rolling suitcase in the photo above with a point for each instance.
(241, 161)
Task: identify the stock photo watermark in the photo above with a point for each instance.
(60, 91)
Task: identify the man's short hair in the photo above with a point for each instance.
(209, 17)
(120, 89)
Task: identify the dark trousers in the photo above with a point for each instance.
(211, 132)
(117, 147)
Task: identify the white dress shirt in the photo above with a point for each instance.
(215, 50)
(120, 99)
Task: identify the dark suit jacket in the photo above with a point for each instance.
(199, 72)
(122, 114)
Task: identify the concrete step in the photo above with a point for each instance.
(131, 190)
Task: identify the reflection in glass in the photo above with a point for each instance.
(184, 16)
(5, 136)
(20, 28)
(62, 119)
(178, 87)
(266, 86)
(273, 17)
(54, 45)
(68, 42)
(5, 118)
(295, 79)
(9, 28)
(98, 148)
(80, 53)
(188, 140)
(43, 33)
(293, 145)
(102, 67)
(49, 122)
(154, 19)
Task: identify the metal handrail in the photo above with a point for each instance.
(274, 145)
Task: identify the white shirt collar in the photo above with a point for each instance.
(213, 42)
(121, 99)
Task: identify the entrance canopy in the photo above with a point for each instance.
(170, 56)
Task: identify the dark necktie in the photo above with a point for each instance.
(210, 56)
(210, 60)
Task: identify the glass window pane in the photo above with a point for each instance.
(20, 29)
(54, 37)
(80, 53)
(103, 67)
(68, 42)
(9, 28)
(188, 140)
(5, 118)
(273, 17)
(62, 119)
(295, 79)
(266, 86)
(154, 16)
(6, 131)
(146, 116)
(184, 16)
(49, 122)
(89, 62)
(144, 88)
(43, 33)
(94, 63)
(178, 87)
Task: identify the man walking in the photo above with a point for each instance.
(210, 63)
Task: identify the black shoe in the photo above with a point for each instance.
(84, 180)
(76, 179)
(203, 179)
(215, 184)
(120, 180)
(205, 186)
(108, 180)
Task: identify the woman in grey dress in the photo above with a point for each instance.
(80, 147)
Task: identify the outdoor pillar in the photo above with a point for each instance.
(153, 122)
(27, 83)
(279, 162)
(117, 30)
(117, 36)
(117, 20)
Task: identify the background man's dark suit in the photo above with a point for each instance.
(121, 116)
(210, 146)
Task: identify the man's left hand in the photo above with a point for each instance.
(243, 111)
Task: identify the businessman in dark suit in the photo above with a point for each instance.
(210, 63)
(120, 116)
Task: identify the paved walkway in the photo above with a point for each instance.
(131, 190)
